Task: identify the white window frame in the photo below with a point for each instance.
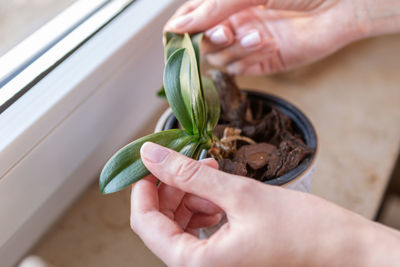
(46, 35)
(48, 46)
(55, 139)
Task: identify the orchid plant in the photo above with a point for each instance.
(195, 103)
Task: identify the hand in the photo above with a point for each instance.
(267, 225)
(189, 211)
(264, 37)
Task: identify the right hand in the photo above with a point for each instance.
(269, 36)
(267, 225)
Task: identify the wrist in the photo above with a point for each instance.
(379, 245)
(356, 241)
(377, 17)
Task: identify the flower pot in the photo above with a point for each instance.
(299, 178)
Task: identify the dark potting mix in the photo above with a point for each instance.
(256, 140)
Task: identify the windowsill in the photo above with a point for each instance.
(56, 137)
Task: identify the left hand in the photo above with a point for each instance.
(188, 211)
(266, 225)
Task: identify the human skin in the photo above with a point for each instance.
(267, 225)
(281, 35)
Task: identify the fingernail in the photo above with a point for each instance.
(232, 69)
(179, 22)
(251, 40)
(153, 153)
(218, 37)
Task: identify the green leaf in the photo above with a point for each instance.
(125, 167)
(190, 80)
(196, 41)
(161, 93)
(173, 42)
(172, 85)
(190, 83)
(212, 103)
(190, 149)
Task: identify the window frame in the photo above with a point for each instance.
(57, 136)
(41, 52)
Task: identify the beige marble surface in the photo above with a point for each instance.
(353, 99)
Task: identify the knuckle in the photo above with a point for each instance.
(187, 170)
(248, 189)
(245, 188)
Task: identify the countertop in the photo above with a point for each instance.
(353, 100)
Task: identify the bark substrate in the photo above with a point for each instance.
(279, 147)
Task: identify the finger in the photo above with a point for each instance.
(195, 232)
(191, 205)
(201, 220)
(255, 69)
(187, 7)
(133, 185)
(146, 185)
(271, 65)
(191, 176)
(252, 43)
(170, 197)
(208, 14)
(210, 162)
(294, 5)
(217, 38)
(164, 237)
(183, 214)
(199, 205)
(240, 66)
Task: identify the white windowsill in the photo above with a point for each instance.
(55, 138)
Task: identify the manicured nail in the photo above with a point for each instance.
(218, 37)
(153, 153)
(179, 22)
(251, 40)
(233, 69)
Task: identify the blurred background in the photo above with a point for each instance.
(95, 230)
(20, 18)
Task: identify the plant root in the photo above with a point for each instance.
(228, 143)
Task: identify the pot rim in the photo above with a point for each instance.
(301, 121)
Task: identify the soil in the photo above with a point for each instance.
(257, 141)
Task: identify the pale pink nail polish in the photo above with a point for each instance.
(250, 40)
(219, 37)
(232, 69)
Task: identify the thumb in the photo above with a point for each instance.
(208, 14)
(191, 176)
